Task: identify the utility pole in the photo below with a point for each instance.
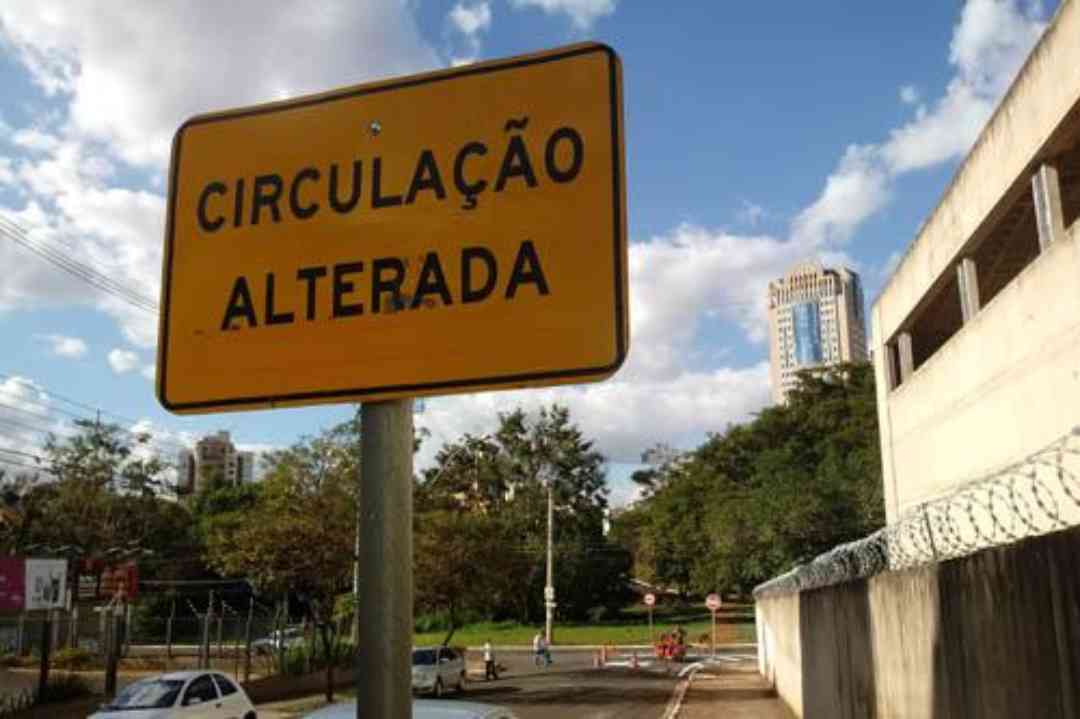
(549, 586)
(383, 659)
(354, 632)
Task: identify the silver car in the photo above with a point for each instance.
(424, 709)
(436, 669)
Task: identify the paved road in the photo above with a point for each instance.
(572, 688)
(583, 693)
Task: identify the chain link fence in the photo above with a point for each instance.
(1038, 495)
(93, 643)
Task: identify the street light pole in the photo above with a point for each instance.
(549, 587)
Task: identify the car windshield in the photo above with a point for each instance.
(423, 657)
(147, 694)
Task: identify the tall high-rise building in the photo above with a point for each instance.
(214, 456)
(816, 319)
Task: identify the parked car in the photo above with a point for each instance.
(424, 709)
(434, 669)
(290, 636)
(180, 695)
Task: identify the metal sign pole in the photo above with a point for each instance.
(650, 627)
(384, 656)
(714, 632)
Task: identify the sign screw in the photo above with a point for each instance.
(376, 127)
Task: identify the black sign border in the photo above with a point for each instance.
(494, 383)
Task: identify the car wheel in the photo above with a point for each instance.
(461, 683)
(438, 690)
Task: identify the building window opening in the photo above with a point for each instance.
(1068, 167)
(1008, 249)
(936, 323)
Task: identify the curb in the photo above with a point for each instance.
(596, 647)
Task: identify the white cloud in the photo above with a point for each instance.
(909, 94)
(24, 421)
(7, 172)
(133, 71)
(857, 189)
(123, 361)
(471, 19)
(117, 232)
(989, 44)
(750, 214)
(33, 139)
(583, 13)
(624, 415)
(149, 372)
(62, 346)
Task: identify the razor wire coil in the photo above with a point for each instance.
(1029, 498)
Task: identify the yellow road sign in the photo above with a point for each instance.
(455, 231)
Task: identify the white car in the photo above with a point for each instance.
(424, 709)
(436, 669)
(180, 695)
(271, 643)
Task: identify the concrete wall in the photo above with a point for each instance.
(996, 634)
(1006, 382)
(779, 647)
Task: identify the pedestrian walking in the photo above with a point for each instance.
(489, 662)
(538, 648)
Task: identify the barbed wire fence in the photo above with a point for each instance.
(1035, 496)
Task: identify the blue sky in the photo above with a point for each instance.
(756, 138)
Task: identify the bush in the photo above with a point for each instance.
(440, 621)
(9, 660)
(73, 658)
(296, 657)
(62, 688)
(599, 614)
(15, 703)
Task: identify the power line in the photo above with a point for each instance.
(20, 453)
(80, 270)
(16, 463)
(153, 441)
(74, 403)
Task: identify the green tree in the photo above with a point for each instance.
(299, 537)
(504, 476)
(458, 558)
(752, 501)
(99, 491)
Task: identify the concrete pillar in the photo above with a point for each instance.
(892, 377)
(907, 359)
(968, 280)
(1046, 190)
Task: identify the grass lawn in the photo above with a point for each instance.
(736, 625)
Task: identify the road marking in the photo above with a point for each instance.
(675, 704)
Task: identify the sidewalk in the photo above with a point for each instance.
(731, 694)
